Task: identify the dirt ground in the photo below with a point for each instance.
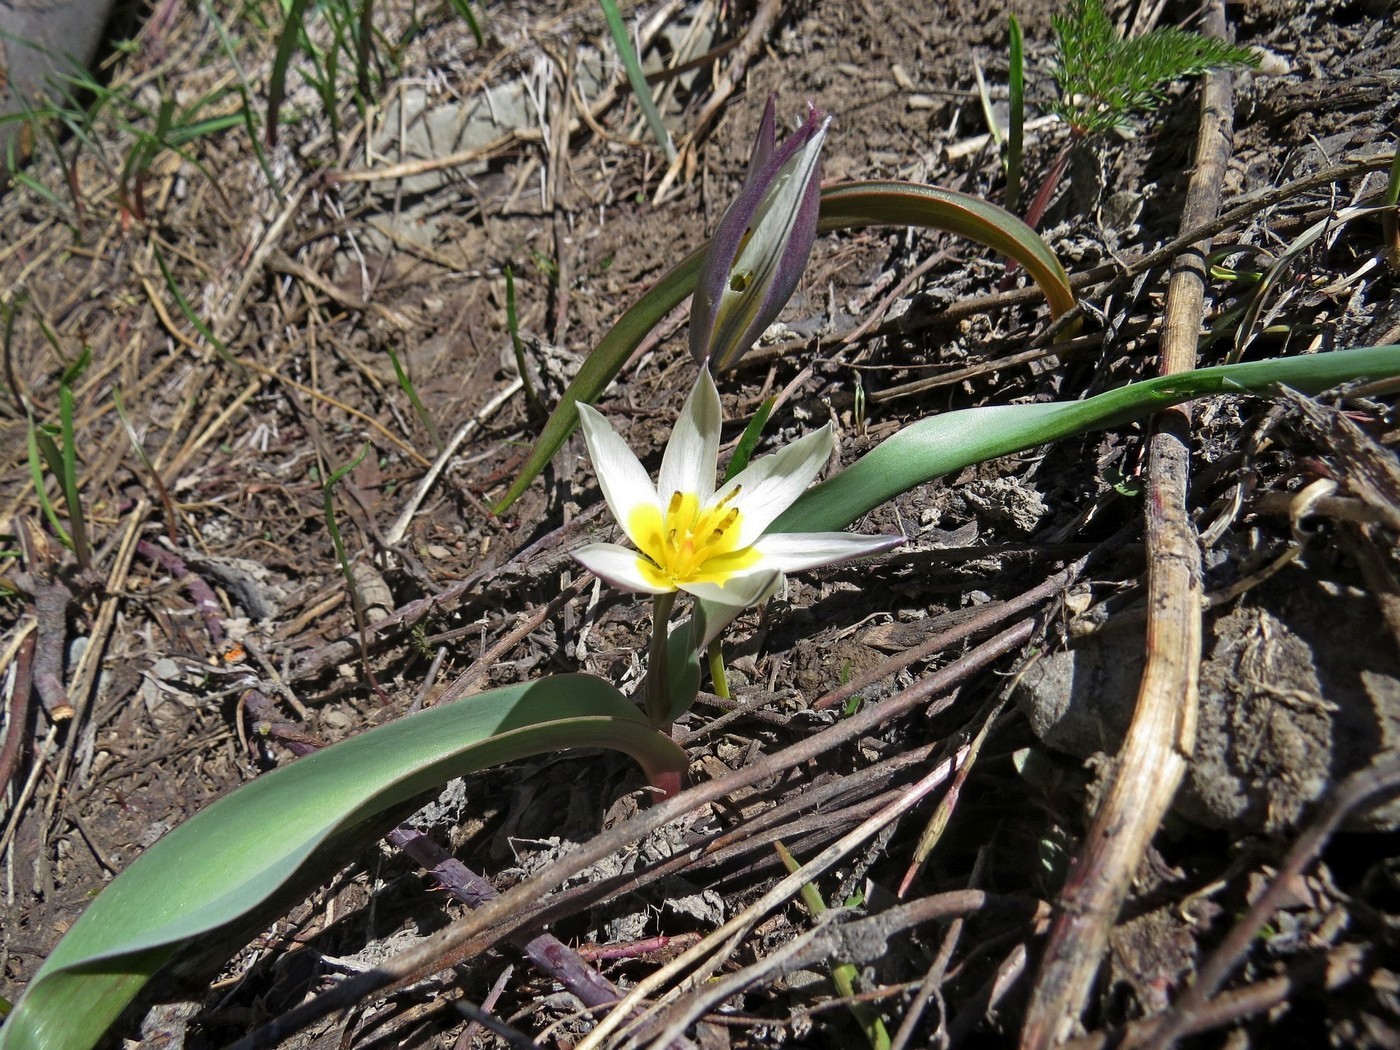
(244, 309)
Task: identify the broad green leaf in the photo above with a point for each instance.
(214, 882)
(856, 204)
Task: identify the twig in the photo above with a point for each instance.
(549, 954)
(725, 86)
(205, 604)
(983, 619)
(700, 961)
(542, 556)
(1382, 778)
(1337, 968)
(21, 649)
(1162, 734)
(89, 664)
(399, 530)
(50, 597)
(468, 1037)
(527, 626)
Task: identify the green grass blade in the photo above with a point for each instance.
(245, 114)
(1016, 133)
(748, 440)
(193, 318)
(603, 364)
(464, 11)
(277, 80)
(328, 506)
(517, 346)
(68, 478)
(843, 974)
(42, 450)
(364, 51)
(856, 204)
(406, 385)
(637, 78)
(949, 442)
(212, 883)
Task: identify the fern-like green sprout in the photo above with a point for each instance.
(1105, 80)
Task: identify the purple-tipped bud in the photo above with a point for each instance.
(760, 248)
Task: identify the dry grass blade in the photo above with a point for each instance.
(699, 963)
(1161, 738)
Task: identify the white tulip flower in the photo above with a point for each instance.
(690, 537)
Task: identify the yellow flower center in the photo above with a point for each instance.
(690, 543)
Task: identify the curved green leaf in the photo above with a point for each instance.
(949, 442)
(912, 204)
(215, 881)
(852, 205)
(954, 440)
(603, 364)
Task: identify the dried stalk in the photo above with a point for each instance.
(1162, 734)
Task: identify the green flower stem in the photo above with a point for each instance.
(718, 678)
(658, 691)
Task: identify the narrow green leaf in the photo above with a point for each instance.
(406, 385)
(636, 78)
(332, 527)
(277, 81)
(193, 318)
(517, 346)
(949, 442)
(1016, 133)
(68, 478)
(603, 364)
(215, 881)
(843, 974)
(42, 450)
(853, 205)
(464, 11)
(748, 440)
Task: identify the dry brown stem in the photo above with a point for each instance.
(1160, 740)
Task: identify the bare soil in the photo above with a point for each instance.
(247, 305)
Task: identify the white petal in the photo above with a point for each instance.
(742, 591)
(795, 551)
(624, 481)
(619, 566)
(768, 486)
(689, 462)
